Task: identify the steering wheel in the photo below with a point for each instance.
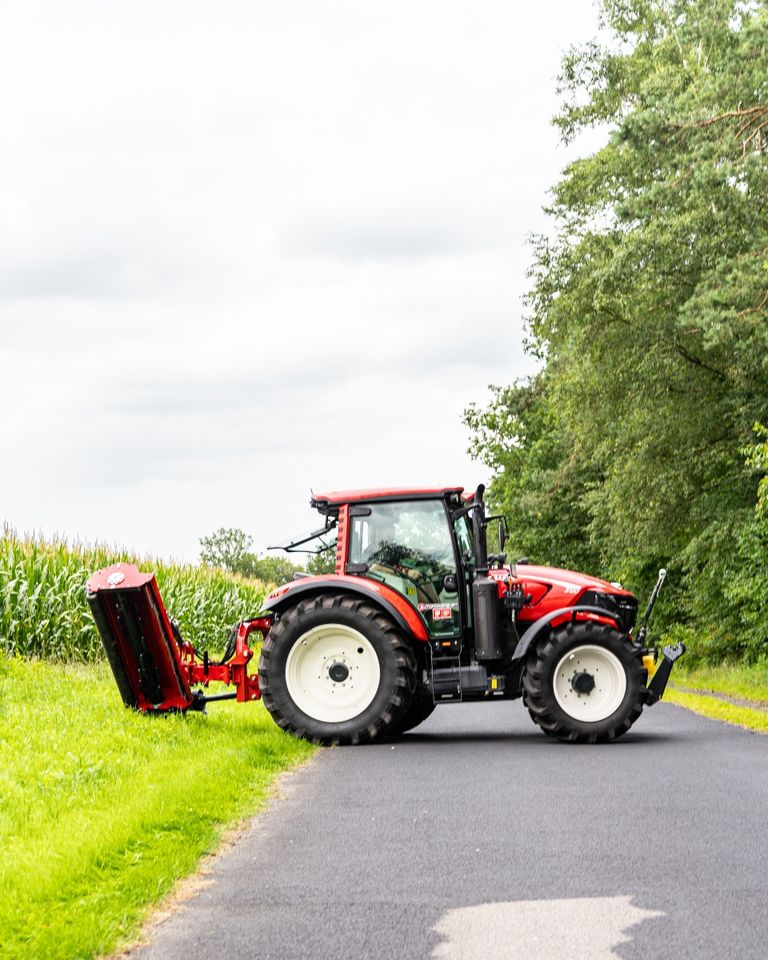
(405, 573)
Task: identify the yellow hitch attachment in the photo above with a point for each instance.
(649, 662)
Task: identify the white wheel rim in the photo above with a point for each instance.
(336, 649)
(610, 683)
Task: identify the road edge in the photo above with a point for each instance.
(187, 887)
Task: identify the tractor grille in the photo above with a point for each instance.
(624, 607)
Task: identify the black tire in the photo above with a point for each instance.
(417, 713)
(391, 691)
(540, 695)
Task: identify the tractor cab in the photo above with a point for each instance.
(427, 548)
(418, 543)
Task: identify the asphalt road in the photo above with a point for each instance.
(477, 836)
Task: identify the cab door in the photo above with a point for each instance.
(408, 545)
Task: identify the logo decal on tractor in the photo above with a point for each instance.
(115, 578)
(439, 610)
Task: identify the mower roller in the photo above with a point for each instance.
(416, 614)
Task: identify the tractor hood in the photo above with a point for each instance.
(569, 581)
(547, 589)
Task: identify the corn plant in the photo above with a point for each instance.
(43, 610)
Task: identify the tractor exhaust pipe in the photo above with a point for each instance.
(481, 542)
(485, 591)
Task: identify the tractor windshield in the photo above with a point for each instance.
(408, 545)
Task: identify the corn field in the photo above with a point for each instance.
(43, 610)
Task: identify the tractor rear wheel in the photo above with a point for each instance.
(335, 670)
(585, 682)
(417, 713)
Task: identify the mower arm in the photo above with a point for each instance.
(153, 666)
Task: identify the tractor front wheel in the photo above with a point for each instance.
(335, 670)
(585, 682)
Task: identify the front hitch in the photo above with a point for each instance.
(658, 684)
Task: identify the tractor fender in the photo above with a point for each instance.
(390, 601)
(570, 613)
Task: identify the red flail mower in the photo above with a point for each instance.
(416, 614)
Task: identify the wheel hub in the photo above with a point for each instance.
(338, 672)
(332, 673)
(583, 682)
(589, 682)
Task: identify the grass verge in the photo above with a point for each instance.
(710, 688)
(102, 810)
(716, 709)
(735, 680)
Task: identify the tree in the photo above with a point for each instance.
(323, 562)
(230, 549)
(227, 548)
(649, 309)
(540, 478)
(273, 569)
(757, 458)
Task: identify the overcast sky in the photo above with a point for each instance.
(249, 249)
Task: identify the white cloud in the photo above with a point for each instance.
(248, 249)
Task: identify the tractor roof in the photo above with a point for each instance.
(336, 497)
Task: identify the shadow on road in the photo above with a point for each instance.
(493, 736)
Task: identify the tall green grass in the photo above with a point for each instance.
(103, 809)
(43, 611)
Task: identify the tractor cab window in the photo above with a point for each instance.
(408, 545)
(464, 539)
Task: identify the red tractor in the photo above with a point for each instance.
(417, 613)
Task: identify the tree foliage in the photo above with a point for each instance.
(230, 549)
(634, 446)
(323, 562)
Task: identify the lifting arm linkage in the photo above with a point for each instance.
(235, 671)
